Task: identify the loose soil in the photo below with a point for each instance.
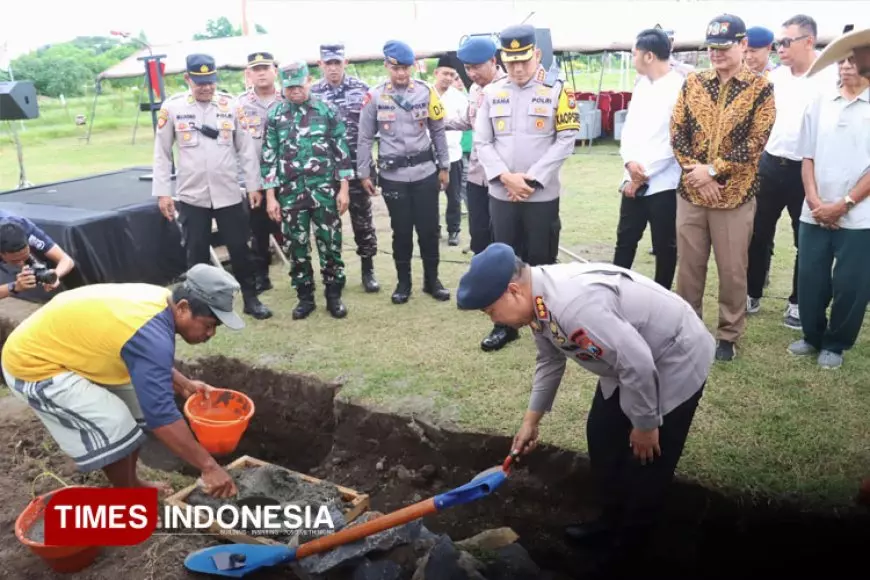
(301, 425)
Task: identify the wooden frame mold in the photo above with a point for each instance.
(359, 501)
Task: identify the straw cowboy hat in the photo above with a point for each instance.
(840, 48)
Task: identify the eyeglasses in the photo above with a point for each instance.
(787, 42)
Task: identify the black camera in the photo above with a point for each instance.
(42, 273)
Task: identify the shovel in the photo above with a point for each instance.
(238, 560)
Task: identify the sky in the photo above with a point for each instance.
(168, 21)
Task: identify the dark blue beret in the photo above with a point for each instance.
(759, 37)
(397, 52)
(487, 278)
(477, 50)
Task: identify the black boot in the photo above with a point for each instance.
(306, 305)
(333, 301)
(253, 306)
(262, 282)
(499, 337)
(432, 285)
(370, 283)
(403, 288)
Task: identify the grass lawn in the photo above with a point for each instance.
(768, 424)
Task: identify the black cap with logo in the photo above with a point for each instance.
(725, 31)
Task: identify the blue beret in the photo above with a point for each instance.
(487, 278)
(397, 52)
(759, 37)
(476, 50)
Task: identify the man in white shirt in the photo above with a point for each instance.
(651, 172)
(780, 164)
(455, 104)
(835, 221)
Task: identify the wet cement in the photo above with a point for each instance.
(36, 532)
(270, 485)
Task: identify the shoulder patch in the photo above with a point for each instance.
(436, 109)
(567, 115)
(589, 350)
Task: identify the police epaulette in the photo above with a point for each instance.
(552, 75)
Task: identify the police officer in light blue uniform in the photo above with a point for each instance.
(652, 355)
(409, 117)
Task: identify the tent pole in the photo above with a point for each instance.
(97, 91)
(598, 94)
(138, 111)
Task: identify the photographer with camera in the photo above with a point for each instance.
(22, 246)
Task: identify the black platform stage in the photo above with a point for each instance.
(108, 223)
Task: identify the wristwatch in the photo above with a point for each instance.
(711, 170)
(850, 203)
(11, 287)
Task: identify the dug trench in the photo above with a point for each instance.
(302, 424)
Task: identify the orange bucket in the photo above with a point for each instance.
(219, 421)
(63, 559)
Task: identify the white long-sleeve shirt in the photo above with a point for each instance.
(455, 104)
(646, 135)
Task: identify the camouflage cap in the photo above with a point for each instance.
(294, 74)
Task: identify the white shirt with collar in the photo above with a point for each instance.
(792, 95)
(836, 135)
(646, 136)
(455, 103)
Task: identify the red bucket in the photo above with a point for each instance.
(64, 559)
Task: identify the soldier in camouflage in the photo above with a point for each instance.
(304, 153)
(346, 94)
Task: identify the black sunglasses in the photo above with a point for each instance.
(787, 42)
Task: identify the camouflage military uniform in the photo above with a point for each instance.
(347, 98)
(304, 152)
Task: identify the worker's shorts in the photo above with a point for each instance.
(95, 425)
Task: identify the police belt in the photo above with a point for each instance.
(397, 162)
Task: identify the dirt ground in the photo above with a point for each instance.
(301, 425)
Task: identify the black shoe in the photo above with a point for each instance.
(402, 292)
(262, 284)
(589, 532)
(725, 351)
(434, 288)
(255, 308)
(306, 305)
(334, 305)
(370, 283)
(499, 337)
(403, 289)
(453, 239)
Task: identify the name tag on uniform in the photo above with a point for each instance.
(386, 115)
(224, 115)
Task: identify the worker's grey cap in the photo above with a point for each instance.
(216, 287)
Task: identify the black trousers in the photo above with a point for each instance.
(261, 228)
(477, 202)
(633, 494)
(413, 206)
(781, 188)
(530, 228)
(234, 230)
(453, 213)
(660, 210)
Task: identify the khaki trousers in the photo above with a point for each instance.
(729, 232)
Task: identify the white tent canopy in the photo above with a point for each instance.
(436, 27)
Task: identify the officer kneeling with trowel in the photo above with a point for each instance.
(650, 350)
